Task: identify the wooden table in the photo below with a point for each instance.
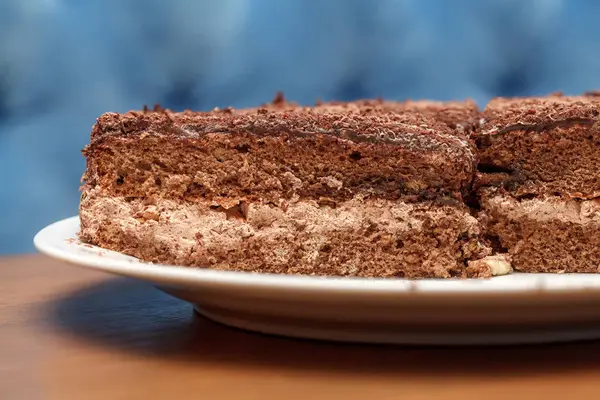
(71, 333)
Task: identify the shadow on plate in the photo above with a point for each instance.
(135, 317)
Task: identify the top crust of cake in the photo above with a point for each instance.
(503, 115)
(411, 131)
(454, 114)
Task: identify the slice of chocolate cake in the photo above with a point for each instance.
(303, 191)
(539, 177)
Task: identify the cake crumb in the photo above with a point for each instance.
(494, 265)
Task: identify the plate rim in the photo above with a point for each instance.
(45, 242)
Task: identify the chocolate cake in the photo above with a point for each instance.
(285, 189)
(539, 179)
(371, 188)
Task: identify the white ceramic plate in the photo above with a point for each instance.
(518, 308)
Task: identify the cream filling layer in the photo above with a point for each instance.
(545, 209)
(183, 226)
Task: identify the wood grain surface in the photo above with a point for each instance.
(71, 333)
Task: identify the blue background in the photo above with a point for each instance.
(64, 62)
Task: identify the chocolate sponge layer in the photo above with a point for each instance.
(269, 155)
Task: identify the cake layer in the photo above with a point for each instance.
(544, 234)
(360, 237)
(266, 155)
(533, 146)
